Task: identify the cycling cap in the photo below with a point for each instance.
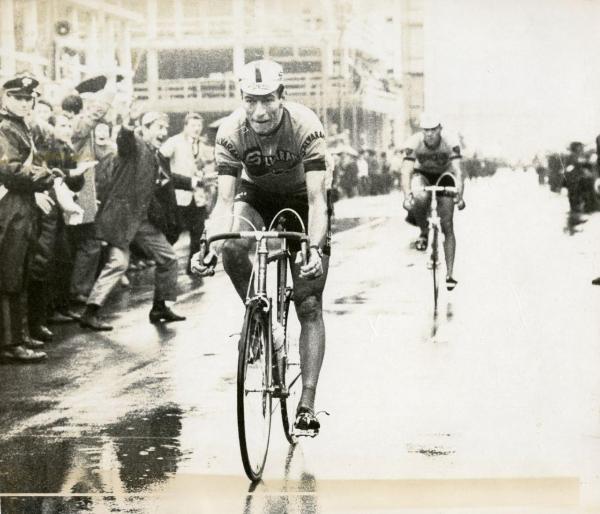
(261, 77)
(429, 121)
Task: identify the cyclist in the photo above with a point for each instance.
(277, 150)
(427, 156)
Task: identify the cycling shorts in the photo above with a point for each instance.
(432, 178)
(268, 204)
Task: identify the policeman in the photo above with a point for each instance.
(20, 180)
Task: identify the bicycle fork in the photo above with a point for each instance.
(434, 232)
(278, 331)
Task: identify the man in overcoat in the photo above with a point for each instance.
(20, 179)
(131, 212)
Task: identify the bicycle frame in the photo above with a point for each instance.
(261, 238)
(434, 229)
(434, 220)
(259, 307)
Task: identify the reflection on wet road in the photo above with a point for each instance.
(493, 406)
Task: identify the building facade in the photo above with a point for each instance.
(339, 58)
(63, 41)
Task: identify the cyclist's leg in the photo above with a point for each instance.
(237, 253)
(446, 212)
(422, 201)
(308, 301)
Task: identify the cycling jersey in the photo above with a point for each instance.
(274, 162)
(431, 160)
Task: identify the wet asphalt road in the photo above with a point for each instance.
(494, 407)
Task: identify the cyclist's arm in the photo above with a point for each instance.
(221, 219)
(406, 172)
(317, 207)
(458, 174)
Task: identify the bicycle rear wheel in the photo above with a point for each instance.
(254, 394)
(292, 380)
(435, 267)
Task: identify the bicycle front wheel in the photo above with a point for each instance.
(292, 380)
(435, 267)
(254, 394)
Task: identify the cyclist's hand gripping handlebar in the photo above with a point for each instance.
(312, 262)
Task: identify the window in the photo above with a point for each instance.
(309, 52)
(281, 51)
(253, 53)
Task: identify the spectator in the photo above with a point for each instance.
(577, 171)
(125, 217)
(21, 179)
(539, 163)
(349, 175)
(183, 153)
(386, 176)
(555, 172)
(62, 156)
(88, 112)
(396, 166)
(374, 187)
(363, 173)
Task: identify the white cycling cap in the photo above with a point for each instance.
(261, 77)
(429, 121)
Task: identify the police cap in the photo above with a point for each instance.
(21, 86)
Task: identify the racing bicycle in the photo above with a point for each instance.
(268, 359)
(433, 235)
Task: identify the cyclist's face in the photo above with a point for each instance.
(264, 112)
(432, 136)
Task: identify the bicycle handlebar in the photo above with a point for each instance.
(258, 235)
(437, 189)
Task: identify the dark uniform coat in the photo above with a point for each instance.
(18, 211)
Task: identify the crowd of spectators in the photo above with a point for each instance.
(368, 172)
(576, 170)
(85, 185)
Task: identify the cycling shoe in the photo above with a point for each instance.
(306, 423)
(421, 244)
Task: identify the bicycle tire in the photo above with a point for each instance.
(254, 395)
(292, 380)
(435, 265)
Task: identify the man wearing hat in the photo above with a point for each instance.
(20, 179)
(130, 212)
(277, 149)
(431, 158)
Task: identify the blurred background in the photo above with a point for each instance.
(514, 78)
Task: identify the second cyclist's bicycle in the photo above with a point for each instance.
(433, 235)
